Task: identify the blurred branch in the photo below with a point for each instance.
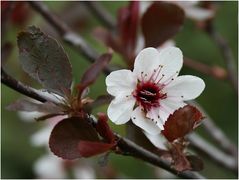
(216, 133)
(101, 14)
(213, 153)
(126, 145)
(226, 53)
(20, 87)
(214, 71)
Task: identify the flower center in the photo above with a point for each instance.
(148, 95)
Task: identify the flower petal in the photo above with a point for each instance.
(171, 58)
(157, 140)
(121, 81)
(187, 87)
(146, 61)
(138, 117)
(120, 109)
(168, 107)
(153, 114)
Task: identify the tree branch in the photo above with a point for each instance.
(216, 133)
(101, 14)
(199, 144)
(20, 87)
(214, 71)
(226, 53)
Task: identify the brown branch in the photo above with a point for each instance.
(101, 14)
(222, 159)
(20, 87)
(123, 143)
(226, 53)
(214, 71)
(216, 133)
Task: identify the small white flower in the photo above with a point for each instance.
(153, 91)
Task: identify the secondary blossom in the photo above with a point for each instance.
(153, 91)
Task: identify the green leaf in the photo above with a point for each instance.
(44, 59)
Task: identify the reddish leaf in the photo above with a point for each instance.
(103, 128)
(68, 133)
(181, 122)
(44, 59)
(161, 22)
(92, 73)
(128, 18)
(88, 148)
(21, 13)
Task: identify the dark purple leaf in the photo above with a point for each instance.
(161, 22)
(68, 133)
(181, 122)
(29, 106)
(44, 59)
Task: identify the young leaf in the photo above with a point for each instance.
(68, 133)
(88, 148)
(103, 128)
(44, 59)
(128, 19)
(161, 22)
(92, 73)
(181, 122)
(30, 106)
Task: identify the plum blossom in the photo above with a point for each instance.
(152, 91)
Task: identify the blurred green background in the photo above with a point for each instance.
(218, 99)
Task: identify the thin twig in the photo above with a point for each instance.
(214, 71)
(229, 162)
(101, 14)
(20, 87)
(216, 133)
(226, 53)
(125, 144)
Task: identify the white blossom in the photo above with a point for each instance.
(152, 91)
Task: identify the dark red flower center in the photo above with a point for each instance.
(148, 95)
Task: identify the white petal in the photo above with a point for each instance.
(157, 140)
(120, 109)
(139, 119)
(199, 14)
(121, 81)
(49, 95)
(169, 107)
(171, 58)
(41, 137)
(146, 61)
(154, 114)
(187, 87)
